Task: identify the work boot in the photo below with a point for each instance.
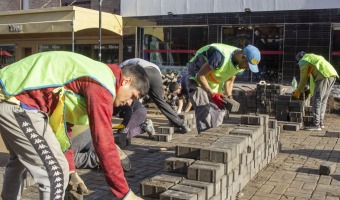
(185, 128)
(322, 125)
(124, 160)
(313, 128)
(131, 196)
(149, 128)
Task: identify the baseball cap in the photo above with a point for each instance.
(254, 56)
(299, 55)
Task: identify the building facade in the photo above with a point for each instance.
(110, 6)
(32, 26)
(169, 32)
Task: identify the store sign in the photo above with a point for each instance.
(110, 46)
(15, 28)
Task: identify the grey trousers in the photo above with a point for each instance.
(32, 146)
(319, 101)
(208, 115)
(156, 93)
(84, 153)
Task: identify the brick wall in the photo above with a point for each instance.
(35, 4)
(7, 5)
(110, 6)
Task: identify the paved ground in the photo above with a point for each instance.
(293, 174)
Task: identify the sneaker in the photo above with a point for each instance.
(149, 128)
(123, 130)
(313, 128)
(124, 160)
(185, 128)
(322, 125)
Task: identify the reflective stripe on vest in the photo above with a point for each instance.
(212, 78)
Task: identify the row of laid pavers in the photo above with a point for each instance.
(295, 172)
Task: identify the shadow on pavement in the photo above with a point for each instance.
(308, 170)
(315, 153)
(336, 177)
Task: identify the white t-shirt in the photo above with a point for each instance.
(141, 62)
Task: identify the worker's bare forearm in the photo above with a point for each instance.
(201, 76)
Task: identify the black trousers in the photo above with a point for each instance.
(156, 93)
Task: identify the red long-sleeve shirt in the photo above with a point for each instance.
(99, 103)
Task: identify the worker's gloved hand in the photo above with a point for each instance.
(131, 196)
(296, 94)
(119, 126)
(76, 188)
(218, 100)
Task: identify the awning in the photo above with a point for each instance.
(155, 31)
(47, 21)
(5, 53)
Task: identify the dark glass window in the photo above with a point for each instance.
(336, 49)
(129, 42)
(268, 39)
(109, 51)
(7, 54)
(80, 3)
(172, 46)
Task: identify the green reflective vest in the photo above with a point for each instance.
(217, 77)
(322, 65)
(56, 69)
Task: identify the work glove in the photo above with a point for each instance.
(296, 94)
(218, 100)
(131, 196)
(76, 188)
(119, 126)
(124, 160)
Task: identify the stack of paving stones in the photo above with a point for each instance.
(282, 107)
(266, 96)
(247, 100)
(308, 117)
(269, 99)
(189, 119)
(164, 133)
(217, 163)
(289, 113)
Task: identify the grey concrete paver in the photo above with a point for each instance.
(332, 198)
(326, 180)
(279, 190)
(260, 198)
(284, 197)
